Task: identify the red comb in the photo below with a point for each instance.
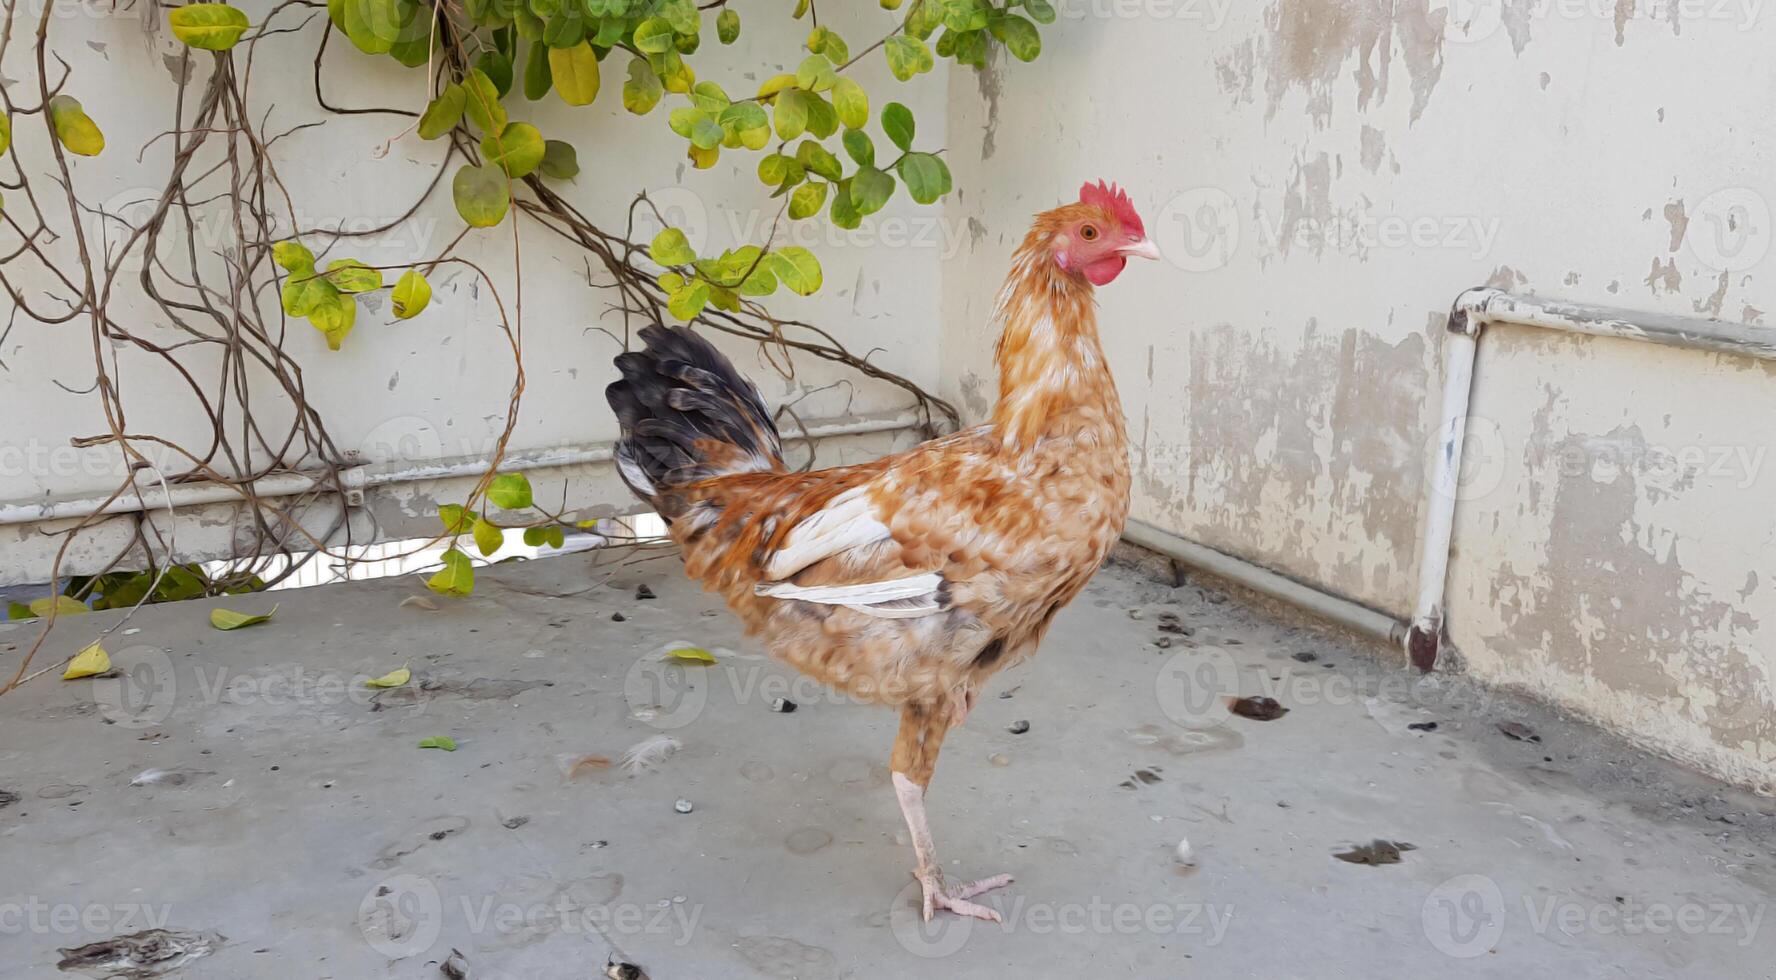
(1114, 200)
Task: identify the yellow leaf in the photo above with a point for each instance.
(63, 606)
(88, 663)
(695, 655)
(228, 619)
(575, 71)
(76, 130)
(210, 26)
(394, 678)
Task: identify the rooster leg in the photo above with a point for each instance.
(922, 731)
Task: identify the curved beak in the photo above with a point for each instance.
(1141, 249)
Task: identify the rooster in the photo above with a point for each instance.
(910, 580)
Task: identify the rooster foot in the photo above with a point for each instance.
(955, 899)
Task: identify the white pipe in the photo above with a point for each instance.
(358, 478)
(1266, 582)
(1472, 312)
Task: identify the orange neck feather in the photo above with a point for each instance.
(1053, 379)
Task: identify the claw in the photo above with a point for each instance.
(938, 895)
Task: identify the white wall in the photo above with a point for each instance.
(435, 386)
(1324, 177)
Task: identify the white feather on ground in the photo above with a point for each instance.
(647, 754)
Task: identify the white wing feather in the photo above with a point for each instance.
(847, 521)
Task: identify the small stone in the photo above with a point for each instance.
(1163, 642)
(1018, 727)
(618, 617)
(1136, 614)
(783, 706)
(1306, 656)
(999, 759)
(515, 823)
(595, 845)
(643, 592)
(682, 806)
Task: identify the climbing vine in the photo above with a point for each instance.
(826, 148)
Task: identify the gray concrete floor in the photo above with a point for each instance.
(244, 785)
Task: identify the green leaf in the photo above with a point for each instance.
(498, 68)
(372, 25)
(565, 29)
(806, 201)
(779, 171)
(852, 103)
(897, 122)
(352, 276)
(334, 318)
(576, 73)
(488, 536)
(394, 678)
(826, 41)
(303, 295)
(411, 295)
(870, 190)
(63, 606)
(481, 194)
(228, 619)
(1018, 35)
(456, 520)
(823, 121)
(1040, 11)
(518, 149)
(815, 73)
(414, 50)
(444, 112)
(791, 112)
(796, 268)
(710, 98)
(76, 130)
(670, 247)
(509, 491)
(681, 14)
(727, 26)
(816, 159)
(843, 213)
(560, 160)
(457, 577)
(536, 536)
(860, 147)
(18, 610)
(965, 15)
(481, 102)
(642, 91)
(293, 256)
(689, 299)
(444, 742)
(653, 35)
(750, 122)
(907, 56)
(210, 26)
(5, 133)
(925, 175)
(538, 78)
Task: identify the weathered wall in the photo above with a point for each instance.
(1324, 176)
(435, 386)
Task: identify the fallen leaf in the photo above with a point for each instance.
(63, 606)
(419, 602)
(228, 619)
(394, 678)
(444, 742)
(1257, 709)
(695, 655)
(87, 663)
(1518, 731)
(1376, 852)
(588, 763)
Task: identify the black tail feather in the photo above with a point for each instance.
(678, 396)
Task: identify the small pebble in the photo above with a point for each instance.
(682, 806)
(999, 759)
(1163, 642)
(783, 706)
(643, 592)
(595, 845)
(1306, 656)
(1018, 727)
(618, 617)
(1136, 614)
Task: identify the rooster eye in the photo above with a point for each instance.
(1089, 233)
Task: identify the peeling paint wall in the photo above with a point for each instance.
(1323, 177)
(436, 386)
